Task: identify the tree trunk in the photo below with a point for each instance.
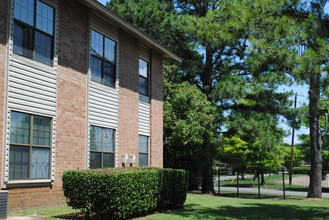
(262, 179)
(242, 176)
(206, 78)
(207, 180)
(314, 190)
(255, 176)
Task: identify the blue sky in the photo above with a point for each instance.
(302, 97)
(302, 92)
(102, 1)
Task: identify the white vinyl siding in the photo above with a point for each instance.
(144, 115)
(144, 52)
(32, 89)
(105, 27)
(144, 101)
(103, 105)
(103, 100)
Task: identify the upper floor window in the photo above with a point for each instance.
(101, 147)
(103, 59)
(33, 35)
(143, 77)
(30, 144)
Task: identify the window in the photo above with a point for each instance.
(143, 151)
(101, 147)
(143, 77)
(29, 155)
(33, 35)
(103, 59)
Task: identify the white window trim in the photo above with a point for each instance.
(95, 27)
(115, 144)
(148, 149)
(51, 179)
(12, 56)
(109, 36)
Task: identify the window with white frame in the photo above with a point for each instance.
(103, 59)
(143, 77)
(143, 150)
(33, 35)
(30, 145)
(101, 147)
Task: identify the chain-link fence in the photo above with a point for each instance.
(267, 183)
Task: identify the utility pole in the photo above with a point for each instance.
(292, 146)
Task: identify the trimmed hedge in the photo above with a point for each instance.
(301, 170)
(173, 185)
(122, 193)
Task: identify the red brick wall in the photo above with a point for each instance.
(71, 127)
(128, 96)
(3, 33)
(156, 111)
(72, 86)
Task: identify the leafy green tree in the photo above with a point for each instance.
(312, 64)
(235, 49)
(296, 33)
(264, 140)
(233, 151)
(298, 157)
(188, 127)
(217, 40)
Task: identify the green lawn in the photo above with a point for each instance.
(57, 211)
(211, 207)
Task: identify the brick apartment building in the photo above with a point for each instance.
(79, 88)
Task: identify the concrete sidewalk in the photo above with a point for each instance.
(26, 217)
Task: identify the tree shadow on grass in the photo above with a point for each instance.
(78, 216)
(250, 195)
(73, 216)
(246, 211)
(252, 211)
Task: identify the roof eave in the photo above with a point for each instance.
(124, 25)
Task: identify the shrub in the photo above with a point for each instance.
(301, 170)
(173, 185)
(124, 192)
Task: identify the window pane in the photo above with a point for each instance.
(41, 131)
(143, 160)
(143, 68)
(20, 128)
(97, 44)
(40, 163)
(95, 160)
(110, 50)
(18, 163)
(108, 140)
(96, 138)
(24, 11)
(92, 138)
(109, 74)
(22, 40)
(43, 45)
(45, 18)
(143, 86)
(143, 144)
(96, 69)
(108, 160)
